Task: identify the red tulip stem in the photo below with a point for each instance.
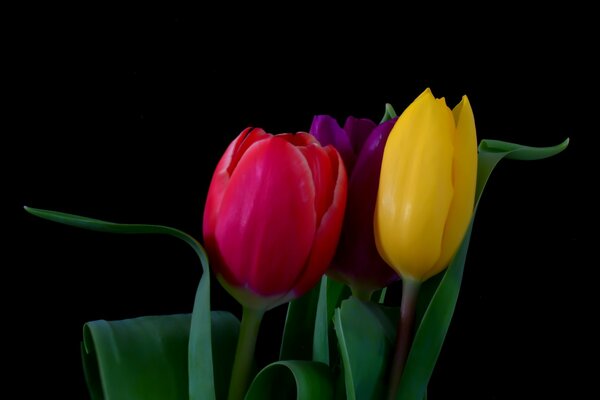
(410, 292)
(244, 353)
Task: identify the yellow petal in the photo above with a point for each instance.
(464, 177)
(415, 190)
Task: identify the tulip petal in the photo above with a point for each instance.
(323, 176)
(357, 261)
(220, 179)
(298, 139)
(415, 190)
(246, 139)
(328, 232)
(266, 225)
(358, 130)
(464, 176)
(328, 132)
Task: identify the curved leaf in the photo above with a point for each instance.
(301, 380)
(492, 151)
(519, 152)
(432, 330)
(200, 356)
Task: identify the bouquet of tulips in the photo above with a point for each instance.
(324, 221)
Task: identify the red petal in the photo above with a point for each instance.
(266, 223)
(323, 174)
(328, 232)
(246, 139)
(298, 139)
(219, 183)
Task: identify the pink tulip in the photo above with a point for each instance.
(273, 216)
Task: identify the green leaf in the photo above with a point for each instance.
(331, 295)
(321, 331)
(146, 357)
(388, 114)
(432, 330)
(336, 293)
(140, 358)
(200, 359)
(301, 380)
(519, 152)
(225, 331)
(492, 151)
(297, 340)
(366, 338)
(379, 295)
(426, 292)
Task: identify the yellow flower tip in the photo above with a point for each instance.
(425, 96)
(442, 102)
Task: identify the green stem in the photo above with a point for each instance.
(361, 294)
(244, 353)
(410, 291)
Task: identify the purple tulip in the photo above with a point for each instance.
(360, 143)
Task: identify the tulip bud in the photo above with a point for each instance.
(273, 216)
(360, 143)
(427, 187)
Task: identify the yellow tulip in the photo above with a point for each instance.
(426, 187)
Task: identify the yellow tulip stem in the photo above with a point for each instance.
(404, 336)
(361, 294)
(244, 353)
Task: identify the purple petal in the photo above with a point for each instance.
(328, 132)
(357, 260)
(358, 130)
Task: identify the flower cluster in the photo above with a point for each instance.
(275, 207)
(322, 220)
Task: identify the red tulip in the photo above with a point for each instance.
(273, 216)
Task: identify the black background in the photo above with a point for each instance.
(124, 118)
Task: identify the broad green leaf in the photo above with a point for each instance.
(432, 330)
(140, 358)
(366, 339)
(388, 114)
(298, 379)
(200, 356)
(146, 357)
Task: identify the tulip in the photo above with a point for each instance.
(426, 187)
(425, 201)
(272, 221)
(360, 143)
(273, 215)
